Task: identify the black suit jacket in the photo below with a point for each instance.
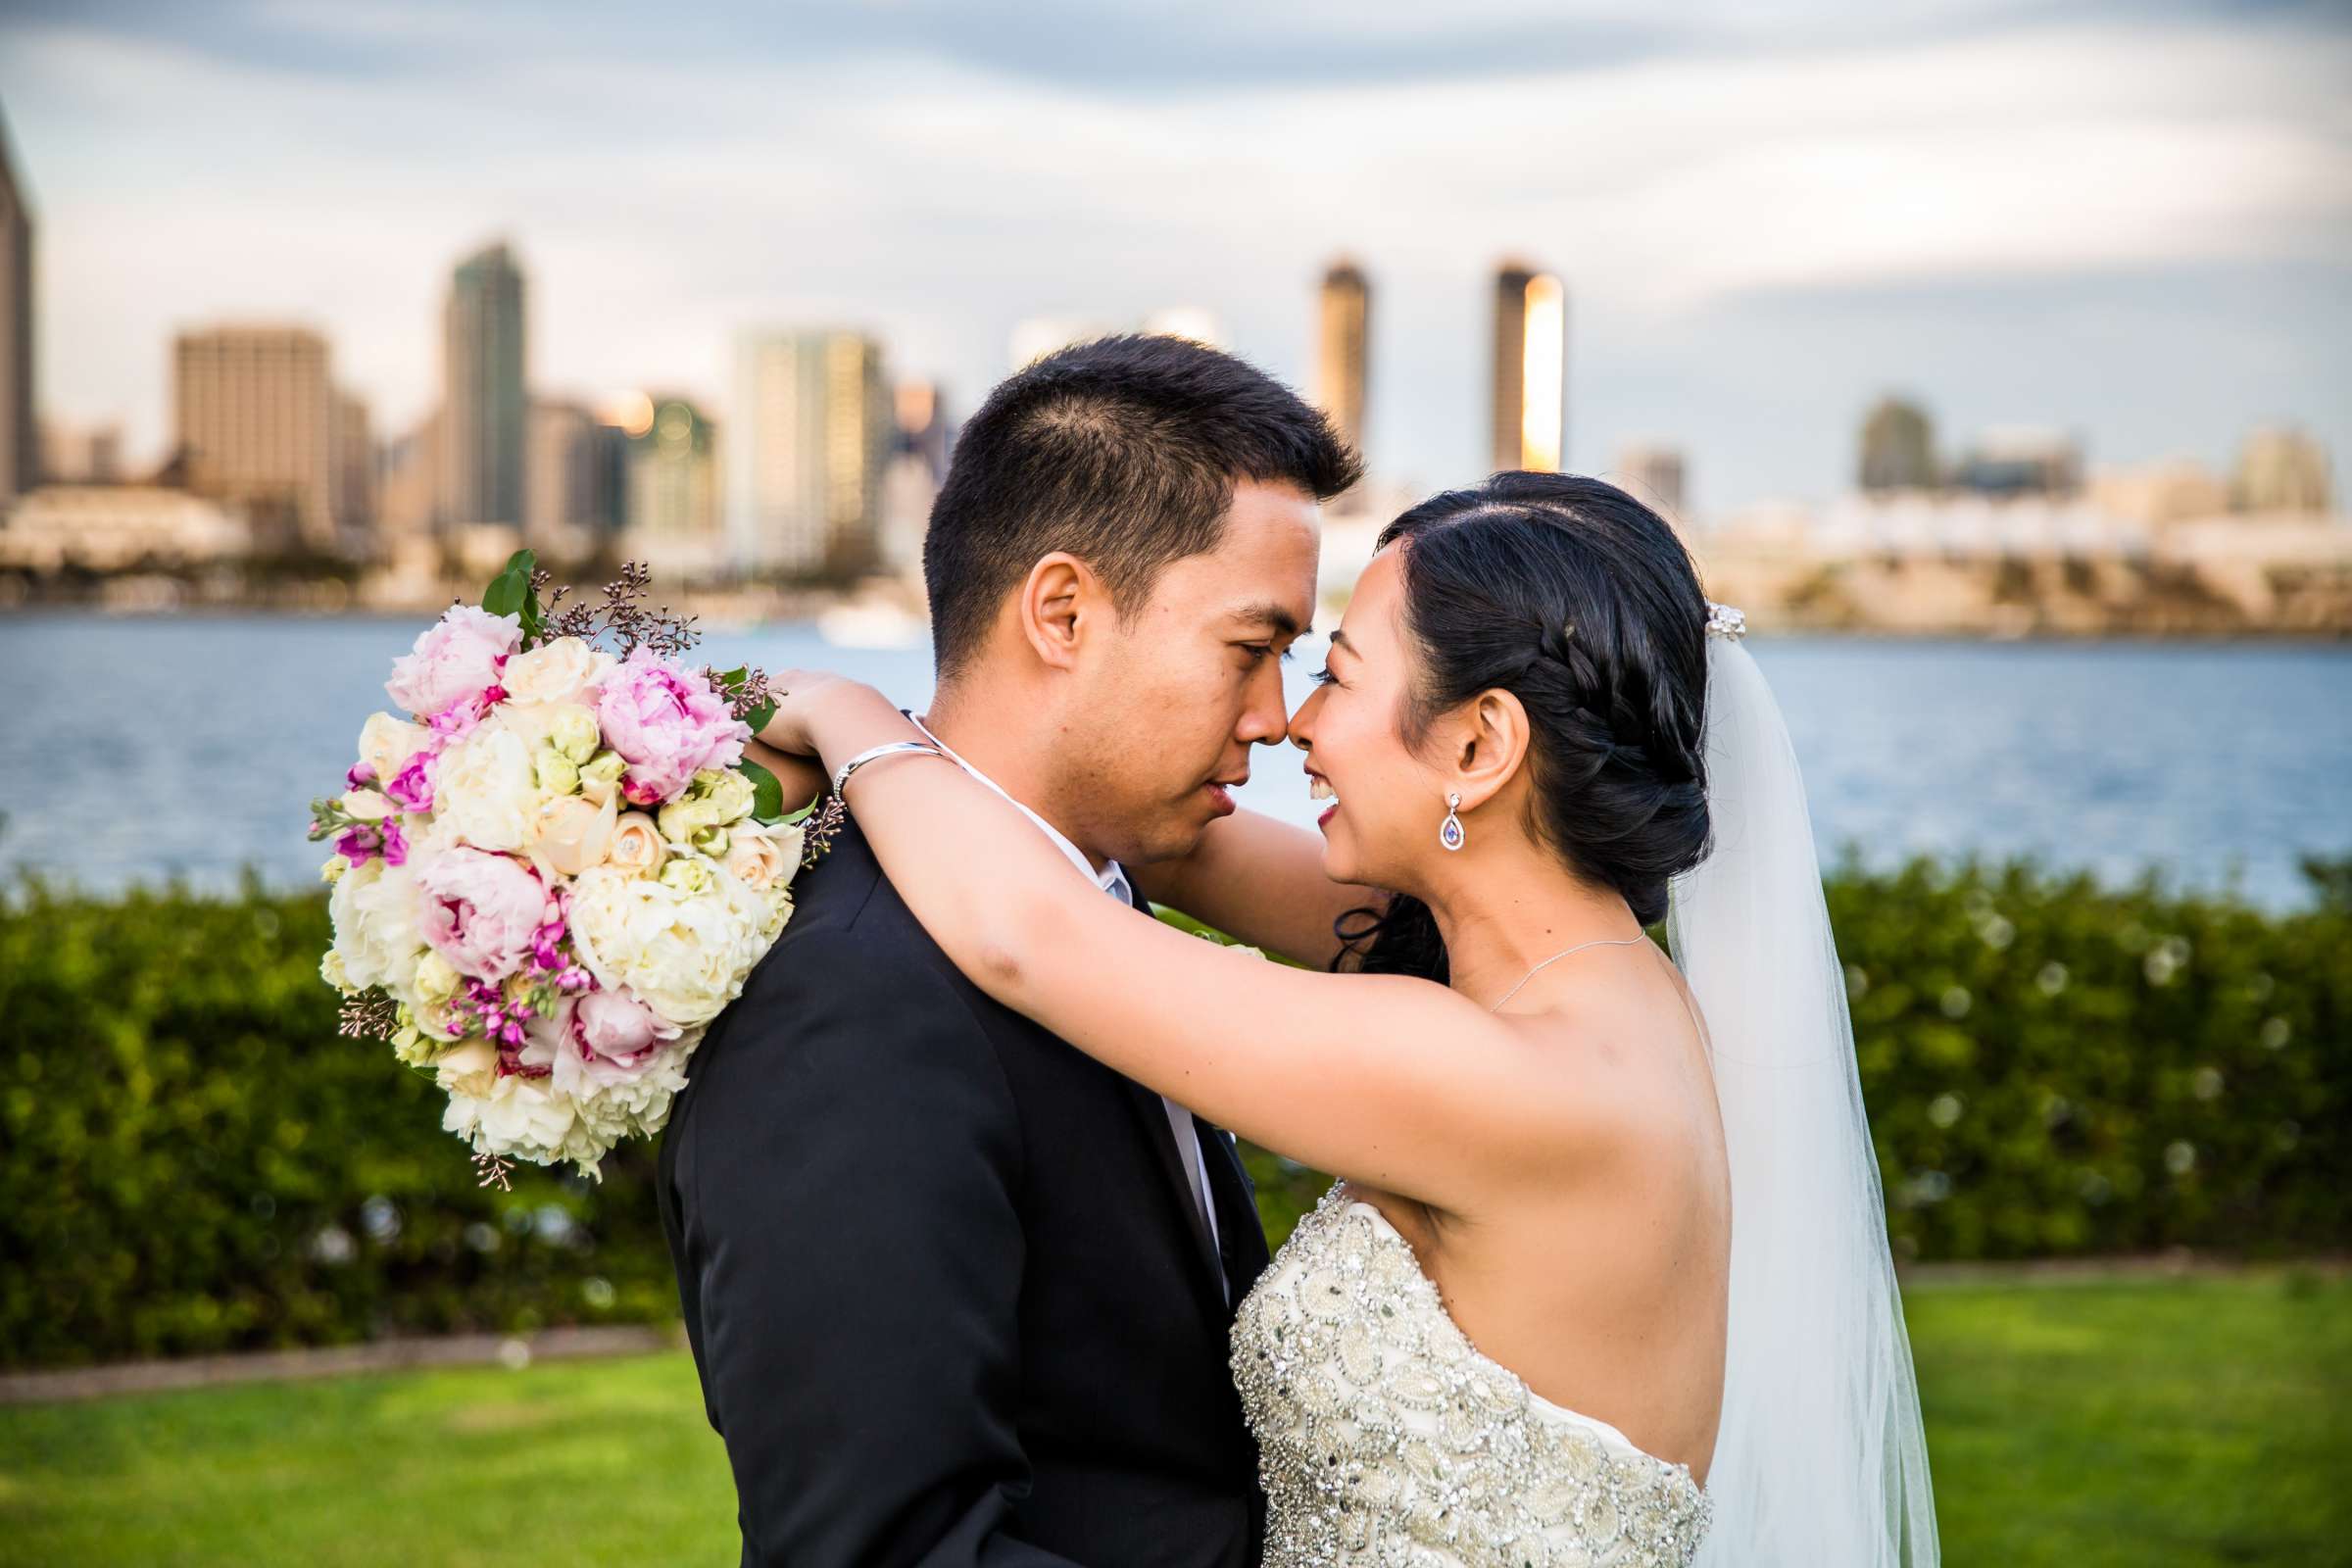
(949, 1296)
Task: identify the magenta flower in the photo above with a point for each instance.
(667, 725)
(412, 788)
(361, 842)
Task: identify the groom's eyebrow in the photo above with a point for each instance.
(1269, 615)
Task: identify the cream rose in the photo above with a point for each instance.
(365, 805)
(564, 671)
(386, 744)
(484, 790)
(635, 848)
(568, 834)
(757, 860)
(468, 1069)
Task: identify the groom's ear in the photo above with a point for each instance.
(1058, 603)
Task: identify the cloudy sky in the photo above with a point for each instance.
(2132, 220)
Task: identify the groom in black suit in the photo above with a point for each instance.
(958, 1294)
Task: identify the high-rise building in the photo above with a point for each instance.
(1653, 475)
(560, 495)
(355, 468)
(254, 420)
(1898, 448)
(811, 430)
(2280, 470)
(1530, 370)
(1344, 349)
(674, 490)
(20, 436)
(485, 412)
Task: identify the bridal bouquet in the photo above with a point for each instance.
(557, 869)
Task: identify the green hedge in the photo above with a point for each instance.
(194, 1161)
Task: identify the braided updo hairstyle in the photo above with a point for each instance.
(1579, 601)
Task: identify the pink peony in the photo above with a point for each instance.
(482, 912)
(454, 661)
(666, 725)
(613, 1030)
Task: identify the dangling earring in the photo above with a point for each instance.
(1449, 831)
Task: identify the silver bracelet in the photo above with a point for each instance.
(841, 777)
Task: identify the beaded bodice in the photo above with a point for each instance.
(1388, 1438)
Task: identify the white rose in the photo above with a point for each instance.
(685, 955)
(374, 913)
(680, 820)
(386, 744)
(635, 847)
(600, 776)
(573, 731)
(485, 791)
(566, 670)
(555, 772)
(733, 795)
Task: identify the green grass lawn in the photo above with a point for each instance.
(2194, 1421)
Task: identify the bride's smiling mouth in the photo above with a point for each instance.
(1318, 788)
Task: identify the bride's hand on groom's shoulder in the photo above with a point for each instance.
(807, 702)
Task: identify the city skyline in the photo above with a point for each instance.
(2134, 232)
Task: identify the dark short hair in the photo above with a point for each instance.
(1123, 452)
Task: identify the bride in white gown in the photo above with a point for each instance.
(1605, 1277)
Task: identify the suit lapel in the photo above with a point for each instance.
(1210, 1276)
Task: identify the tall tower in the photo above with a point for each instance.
(1898, 448)
(1531, 368)
(254, 417)
(1344, 349)
(19, 437)
(811, 427)
(485, 412)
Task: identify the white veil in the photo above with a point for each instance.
(1821, 1458)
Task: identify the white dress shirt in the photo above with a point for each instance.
(1113, 880)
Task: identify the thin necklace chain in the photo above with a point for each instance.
(1605, 942)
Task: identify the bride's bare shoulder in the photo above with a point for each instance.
(1624, 1063)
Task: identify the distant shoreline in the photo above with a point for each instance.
(395, 615)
